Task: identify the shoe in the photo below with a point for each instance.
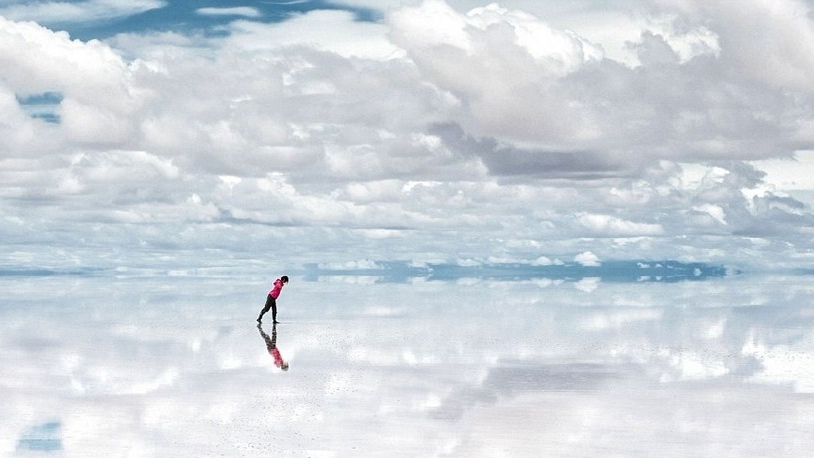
(259, 320)
(275, 322)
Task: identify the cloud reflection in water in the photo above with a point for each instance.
(173, 367)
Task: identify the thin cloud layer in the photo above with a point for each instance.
(246, 11)
(484, 130)
(56, 12)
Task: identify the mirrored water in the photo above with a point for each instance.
(160, 366)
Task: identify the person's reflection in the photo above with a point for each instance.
(271, 346)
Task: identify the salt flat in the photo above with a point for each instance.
(176, 366)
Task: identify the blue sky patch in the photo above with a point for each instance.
(42, 106)
(183, 16)
(668, 271)
(44, 438)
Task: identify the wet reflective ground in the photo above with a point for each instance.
(177, 366)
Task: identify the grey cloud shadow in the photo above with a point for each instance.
(228, 217)
(513, 379)
(511, 161)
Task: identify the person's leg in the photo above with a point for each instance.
(273, 310)
(269, 302)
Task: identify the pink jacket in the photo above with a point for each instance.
(278, 286)
(278, 358)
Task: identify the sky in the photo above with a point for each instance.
(297, 132)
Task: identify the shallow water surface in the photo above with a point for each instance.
(177, 366)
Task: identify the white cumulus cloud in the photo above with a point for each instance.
(461, 130)
(606, 225)
(587, 259)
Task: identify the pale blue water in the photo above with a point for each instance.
(157, 365)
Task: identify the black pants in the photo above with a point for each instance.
(271, 303)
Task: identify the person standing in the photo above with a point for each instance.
(271, 300)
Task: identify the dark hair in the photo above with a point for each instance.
(284, 278)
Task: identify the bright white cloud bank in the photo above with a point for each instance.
(481, 130)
